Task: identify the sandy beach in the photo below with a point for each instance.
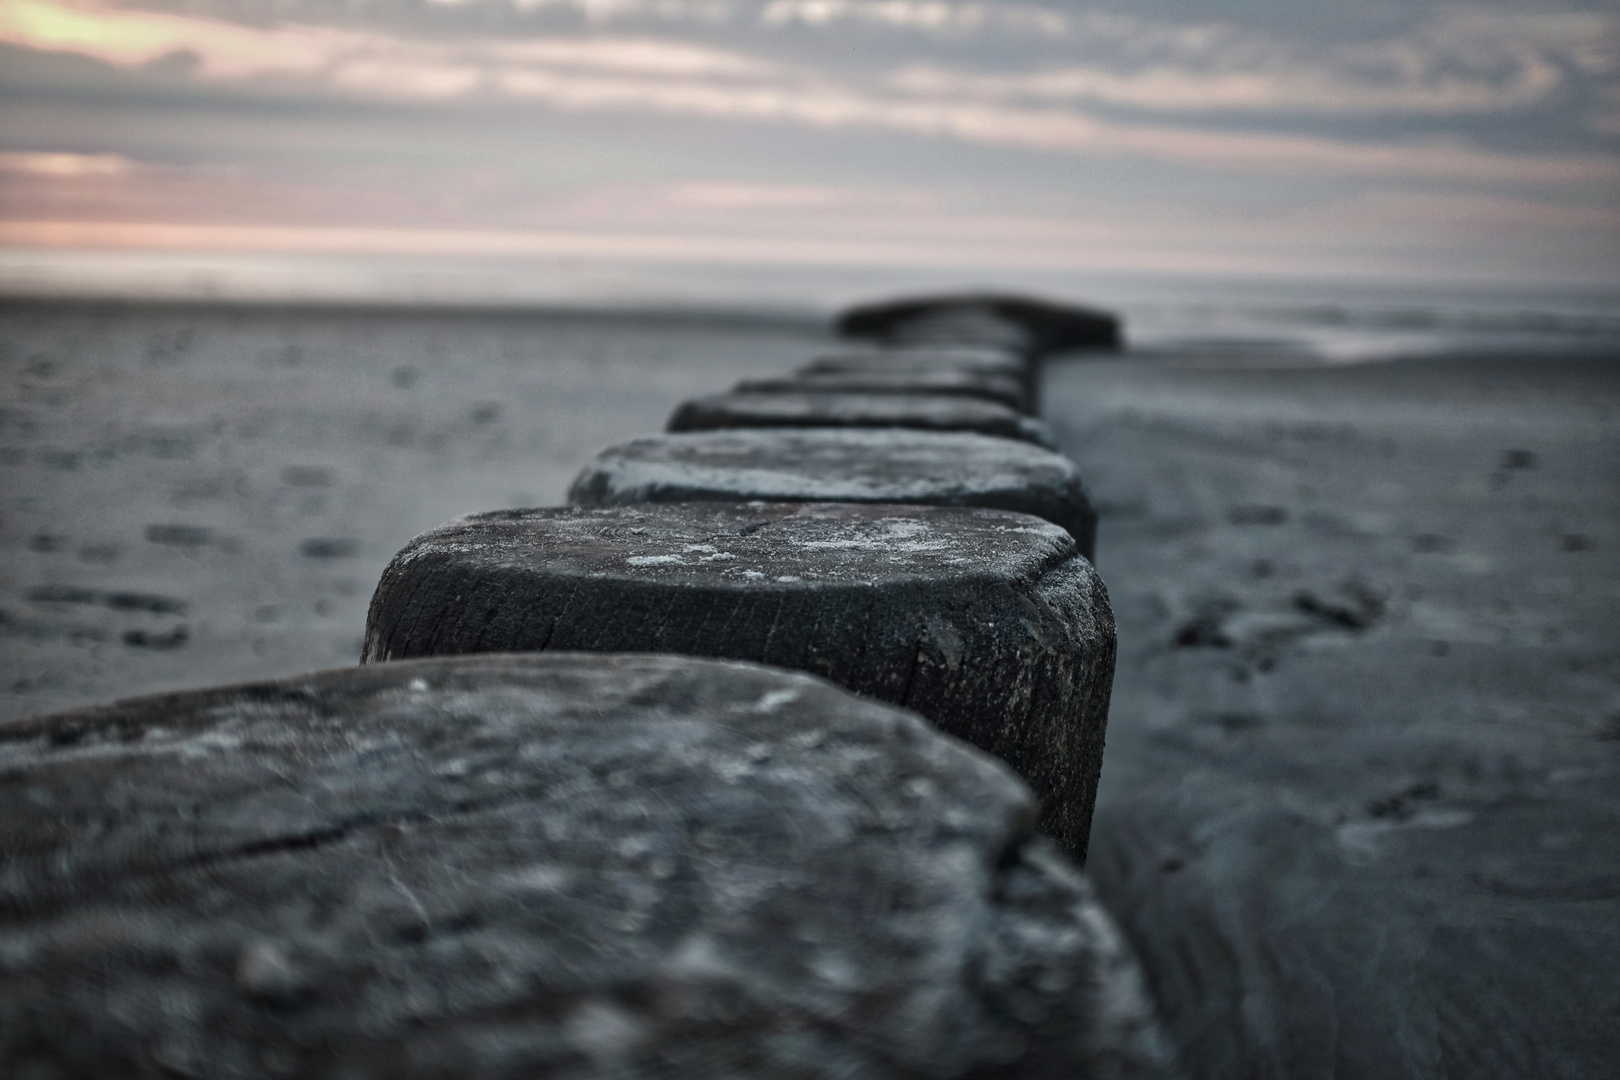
(1359, 809)
(196, 495)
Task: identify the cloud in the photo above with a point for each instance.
(1605, 118)
(678, 78)
(608, 11)
(111, 189)
(223, 50)
(64, 166)
(1300, 90)
(882, 250)
(1484, 215)
(754, 196)
(1461, 62)
(108, 207)
(1380, 233)
(930, 16)
(1457, 61)
(133, 38)
(1037, 244)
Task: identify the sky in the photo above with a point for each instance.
(755, 146)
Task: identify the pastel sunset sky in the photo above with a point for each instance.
(1390, 140)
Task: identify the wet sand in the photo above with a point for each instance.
(1360, 807)
(196, 495)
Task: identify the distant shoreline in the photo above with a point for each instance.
(1259, 332)
(750, 315)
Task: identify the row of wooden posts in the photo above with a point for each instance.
(780, 524)
(562, 831)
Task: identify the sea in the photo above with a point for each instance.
(1229, 320)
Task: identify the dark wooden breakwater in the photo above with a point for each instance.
(773, 755)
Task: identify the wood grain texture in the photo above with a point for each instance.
(982, 360)
(843, 465)
(1006, 389)
(987, 623)
(926, 412)
(558, 866)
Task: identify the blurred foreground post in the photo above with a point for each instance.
(553, 866)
